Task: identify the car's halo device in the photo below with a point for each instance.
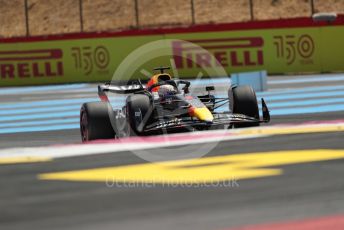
(161, 107)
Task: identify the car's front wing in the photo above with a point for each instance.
(220, 119)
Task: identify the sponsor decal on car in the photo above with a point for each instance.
(173, 122)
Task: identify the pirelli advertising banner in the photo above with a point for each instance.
(96, 58)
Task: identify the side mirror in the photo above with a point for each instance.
(209, 88)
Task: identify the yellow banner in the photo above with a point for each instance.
(312, 49)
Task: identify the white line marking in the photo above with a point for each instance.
(110, 147)
(159, 142)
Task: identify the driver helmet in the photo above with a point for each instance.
(166, 90)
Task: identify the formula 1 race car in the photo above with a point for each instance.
(163, 106)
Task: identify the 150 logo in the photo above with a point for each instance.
(89, 59)
(292, 47)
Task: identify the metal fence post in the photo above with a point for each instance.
(26, 18)
(81, 16)
(312, 7)
(192, 12)
(137, 13)
(251, 10)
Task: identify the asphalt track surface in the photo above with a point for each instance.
(306, 190)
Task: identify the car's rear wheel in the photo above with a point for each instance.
(245, 102)
(95, 121)
(138, 108)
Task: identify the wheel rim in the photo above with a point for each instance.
(83, 126)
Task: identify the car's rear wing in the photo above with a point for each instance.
(118, 89)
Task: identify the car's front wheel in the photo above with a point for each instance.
(245, 102)
(95, 121)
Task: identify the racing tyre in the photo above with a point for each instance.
(95, 121)
(138, 113)
(245, 102)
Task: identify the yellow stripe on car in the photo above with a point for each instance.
(202, 114)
